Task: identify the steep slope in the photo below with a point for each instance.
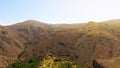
(97, 42)
(60, 42)
(110, 63)
(10, 46)
(83, 44)
(33, 32)
(15, 38)
(30, 29)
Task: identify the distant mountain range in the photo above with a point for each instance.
(93, 45)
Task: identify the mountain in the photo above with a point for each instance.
(92, 44)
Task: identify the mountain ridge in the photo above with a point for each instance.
(79, 43)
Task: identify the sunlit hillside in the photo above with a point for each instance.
(39, 45)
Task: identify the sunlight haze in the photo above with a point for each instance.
(58, 11)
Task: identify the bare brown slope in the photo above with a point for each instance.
(10, 45)
(60, 42)
(13, 39)
(81, 43)
(30, 29)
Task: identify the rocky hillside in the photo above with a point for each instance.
(92, 45)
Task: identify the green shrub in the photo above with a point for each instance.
(79, 66)
(30, 63)
(65, 65)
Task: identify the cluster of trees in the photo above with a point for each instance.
(53, 62)
(45, 62)
(30, 63)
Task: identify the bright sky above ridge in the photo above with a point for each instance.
(58, 11)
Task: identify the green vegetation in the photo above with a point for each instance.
(46, 62)
(64, 65)
(30, 63)
(79, 66)
(53, 62)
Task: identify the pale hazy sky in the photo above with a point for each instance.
(58, 11)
